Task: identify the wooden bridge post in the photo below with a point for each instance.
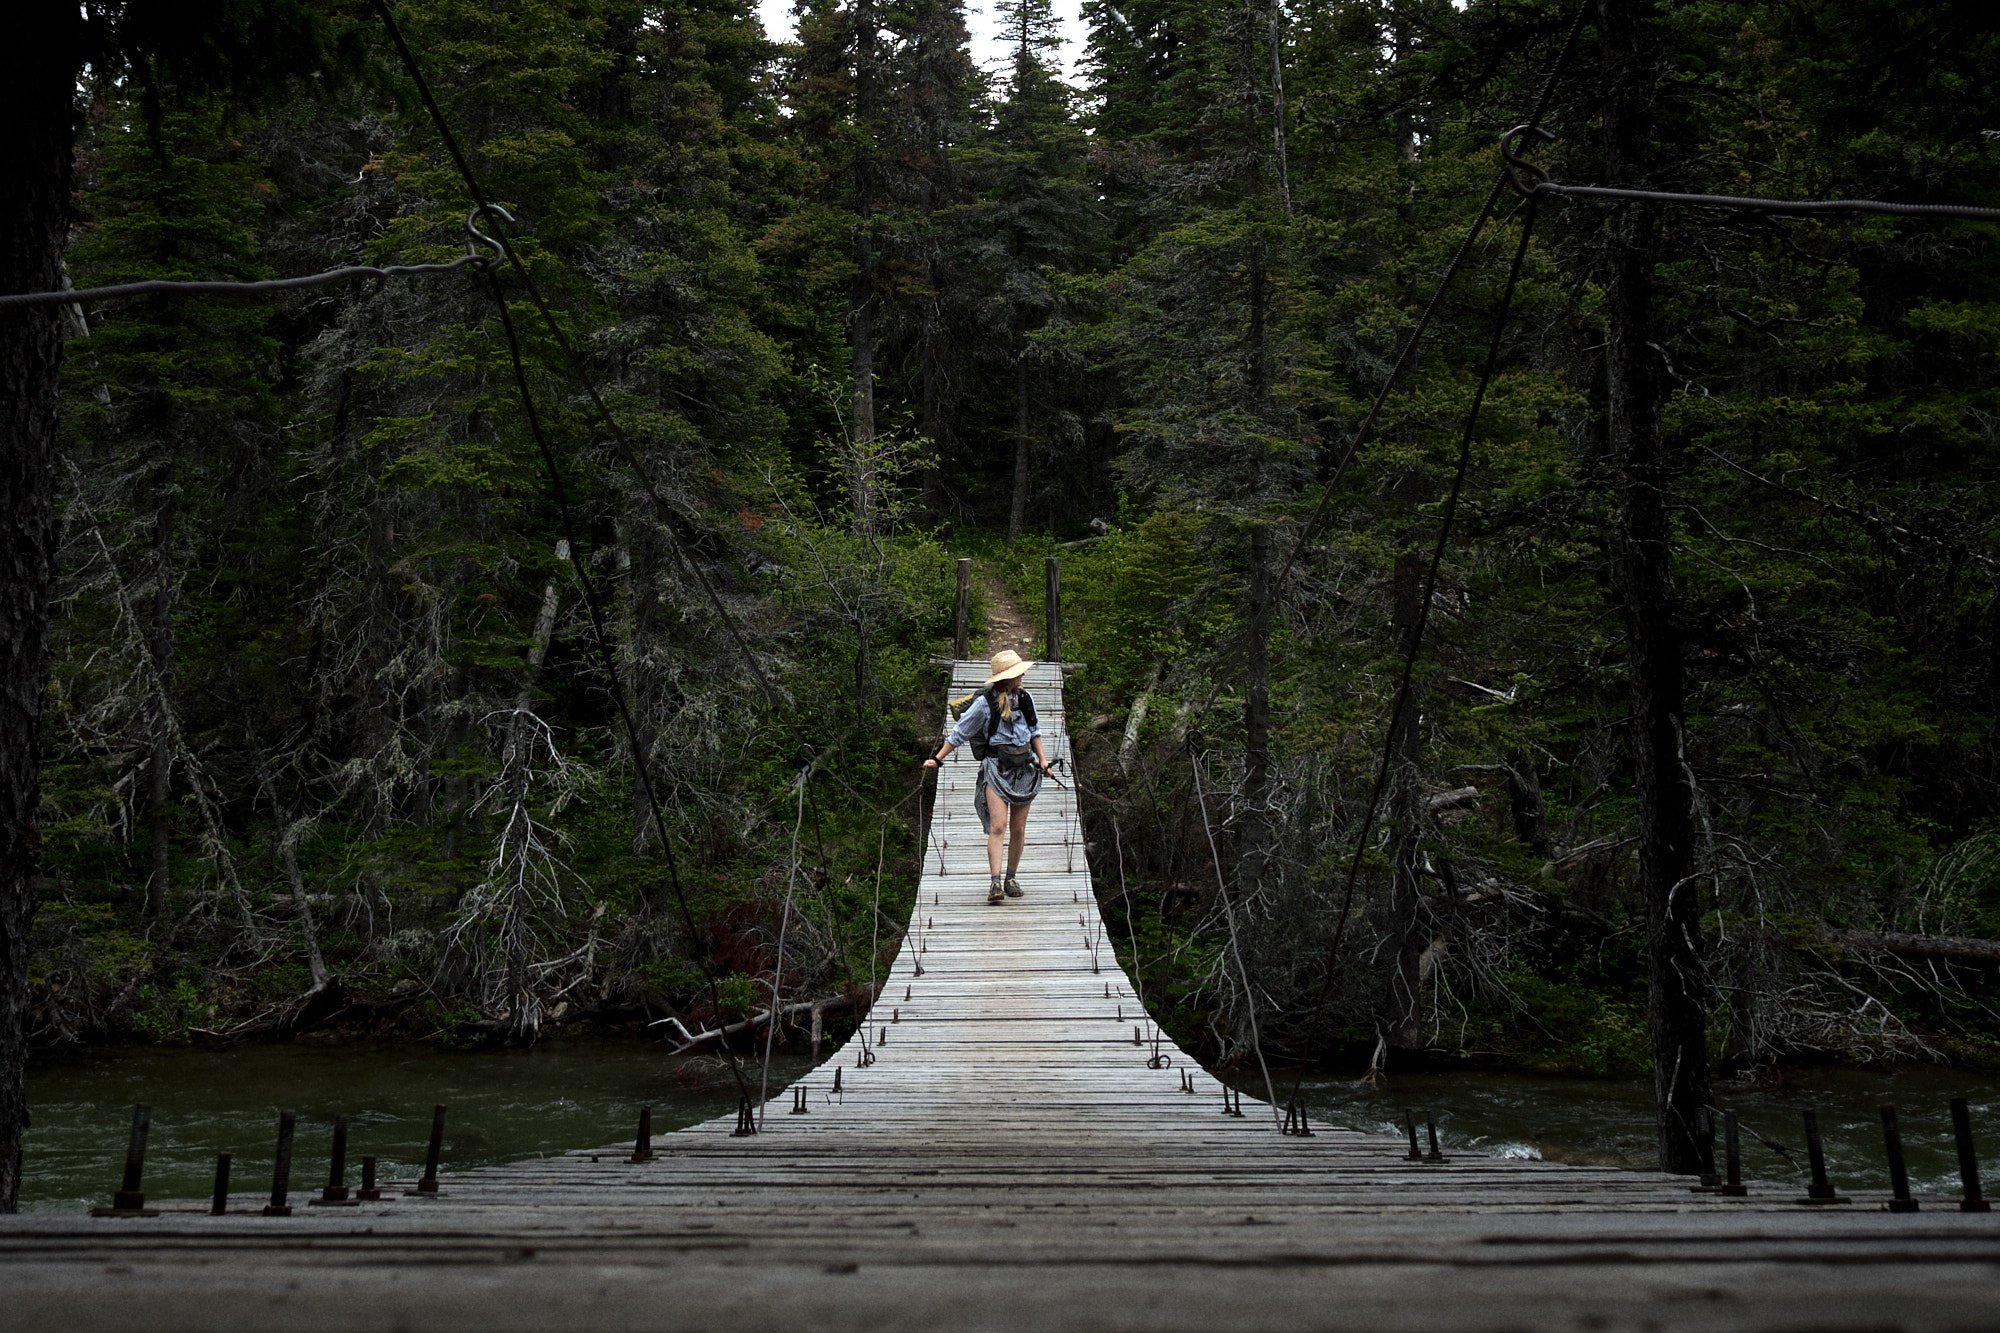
(1053, 609)
(960, 643)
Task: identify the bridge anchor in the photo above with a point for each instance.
(1435, 1155)
(642, 1151)
(1968, 1159)
(1821, 1189)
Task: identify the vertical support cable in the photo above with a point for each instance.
(1235, 945)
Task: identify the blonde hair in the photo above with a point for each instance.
(1003, 697)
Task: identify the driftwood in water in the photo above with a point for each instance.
(817, 1008)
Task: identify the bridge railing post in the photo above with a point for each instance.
(961, 620)
(1052, 609)
(1968, 1158)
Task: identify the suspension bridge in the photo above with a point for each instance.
(1009, 1141)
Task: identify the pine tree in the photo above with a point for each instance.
(48, 46)
(1203, 334)
(1036, 218)
(690, 177)
(935, 111)
(175, 444)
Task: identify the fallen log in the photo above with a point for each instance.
(1128, 746)
(1458, 798)
(1927, 948)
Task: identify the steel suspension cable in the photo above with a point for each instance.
(778, 969)
(1750, 203)
(484, 206)
(1140, 962)
(1532, 182)
(1415, 647)
(601, 638)
(1502, 183)
(230, 287)
(622, 443)
(1235, 944)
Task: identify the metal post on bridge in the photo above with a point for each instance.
(281, 1168)
(1968, 1159)
(218, 1202)
(1899, 1171)
(961, 643)
(129, 1200)
(1052, 609)
(336, 1193)
(427, 1187)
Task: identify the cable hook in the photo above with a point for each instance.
(1518, 168)
(476, 238)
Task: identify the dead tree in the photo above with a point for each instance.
(1643, 561)
(497, 920)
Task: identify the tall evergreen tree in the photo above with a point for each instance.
(174, 410)
(244, 47)
(936, 106)
(1202, 332)
(1038, 218)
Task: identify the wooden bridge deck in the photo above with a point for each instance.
(1010, 1160)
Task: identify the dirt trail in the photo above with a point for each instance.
(1006, 625)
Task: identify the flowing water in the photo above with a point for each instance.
(503, 1106)
(1609, 1122)
(582, 1093)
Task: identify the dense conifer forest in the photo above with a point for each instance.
(1699, 748)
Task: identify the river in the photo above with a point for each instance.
(578, 1093)
(1609, 1122)
(502, 1106)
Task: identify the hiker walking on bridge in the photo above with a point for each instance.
(999, 722)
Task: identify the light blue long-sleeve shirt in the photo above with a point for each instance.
(1013, 730)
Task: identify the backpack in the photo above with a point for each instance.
(980, 744)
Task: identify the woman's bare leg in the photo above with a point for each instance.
(996, 830)
(1017, 836)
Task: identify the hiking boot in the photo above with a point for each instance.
(997, 893)
(1012, 887)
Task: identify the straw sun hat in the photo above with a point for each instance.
(1007, 664)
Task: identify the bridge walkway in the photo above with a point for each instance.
(1008, 1158)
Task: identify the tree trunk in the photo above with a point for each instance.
(861, 334)
(524, 1018)
(160, 644)
(864, 657)
(1642, 546)
(641, 619)
(861, 309)
(1524, 801)
(1402, 1010)
(1256, 847)
(288, 855)
(1128, 746)
(1275, 15)
(1928, 948)
(38, 64)
(1256, 821)
(1018, 513)
(1402, 1014)
(935, 405)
